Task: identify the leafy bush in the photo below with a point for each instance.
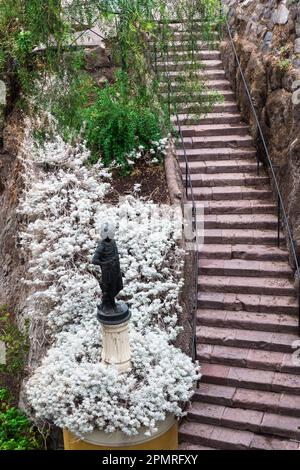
(16, 431)
(118, 123)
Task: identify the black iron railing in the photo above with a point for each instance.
(283, 219)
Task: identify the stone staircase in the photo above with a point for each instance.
(249, 393)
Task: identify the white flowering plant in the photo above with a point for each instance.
(64, 206)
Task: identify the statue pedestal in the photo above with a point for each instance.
(116, 349)
(115, 339)
(165, 438)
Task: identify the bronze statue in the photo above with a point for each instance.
(111, 283)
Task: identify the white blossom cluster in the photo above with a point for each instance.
(64, 207)
(157, 152)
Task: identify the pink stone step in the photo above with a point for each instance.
(240, 236)
(207, 74)
(243, 252)
(226, 166)
(249, 302)
(222, 438)
(177, 87)
(184, 65)
(242, 207)
(211, 118)
(236, 418)
(229, 193)
(285, 426)
(245, 419)
(185, 96)
(200, 55)
(186, 446)
(269, 443)
(201, 130)
(249, 285)
(248, 320)
(241, 221)
(241, 267)
(217, 180)
(247, 357)
(256, 379)
(260, 400)
(215, 155)
(229, 106)
(199, 45)
(249, 339)
(230, 141)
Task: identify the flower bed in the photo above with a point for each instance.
(64, 206)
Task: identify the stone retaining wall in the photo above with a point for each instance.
(267, 39)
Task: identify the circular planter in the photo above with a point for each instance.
(165, 438)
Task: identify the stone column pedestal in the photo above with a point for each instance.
(115, 339)
(115, 346)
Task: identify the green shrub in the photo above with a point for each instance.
(118, 123)
(16, 431)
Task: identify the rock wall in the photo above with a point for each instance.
(267, 39)
(12, 266)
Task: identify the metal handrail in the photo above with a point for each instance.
(280, 204)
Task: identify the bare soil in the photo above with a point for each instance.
(151, 178)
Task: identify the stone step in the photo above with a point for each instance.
(188, 46)
(245, 420)
(176, 86)
(231, 141)
(248, 303)
(231, 439)
(220, 166)
(283, 404)
(229, 106)
(186, 446)
(197, 25)
(186, 36)
(256, 379)
(236, 285)
(215, 154)
(243, 252)
(214, 181)
(240, 236)
(250, 357)
(189, 55)
(191, 96)
(237, 338)
(211, 118)
(214, 130)
(248, 320)
(241, 221)
(229, 193)
(238, 207)
(207, 74)
(241, 267)
(188, 64)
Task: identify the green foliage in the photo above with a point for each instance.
(117, 123)
(16, 343)
(284, 64)
(16, 431)
(124, 114)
